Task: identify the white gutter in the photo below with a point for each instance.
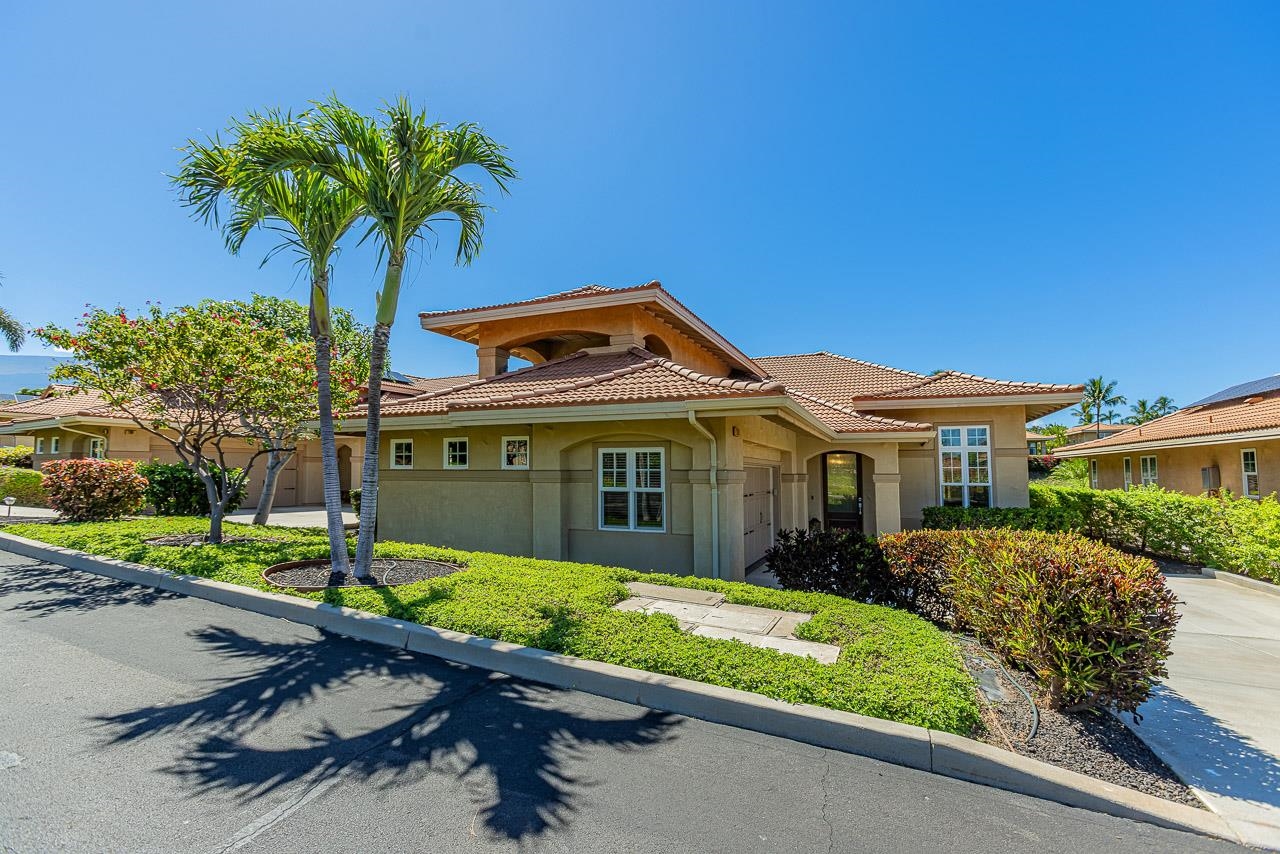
(1081, 449)
(713, 471)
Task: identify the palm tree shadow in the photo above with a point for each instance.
(43, 591)
(512, 744)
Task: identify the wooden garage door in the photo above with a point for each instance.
(757, 512)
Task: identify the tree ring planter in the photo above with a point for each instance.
(203, 540)
(311, 576)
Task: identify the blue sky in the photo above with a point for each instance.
(1024, 190)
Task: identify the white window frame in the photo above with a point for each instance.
(101, 447)
(402, 443)
(631, 489)
(466, 450)
(1150, 474)
(39, 444)
(963, 449)
(1093, 474)
(54, 444)
(503, 451)
(1245, 473)
(1128, 473)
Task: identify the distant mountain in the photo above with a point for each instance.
(26, 371)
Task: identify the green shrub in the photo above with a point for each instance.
(1092, 623)
(1017, 518)
(892, 664)
(173, 489)
(355, 500)
(94, 490)
(845, 563)
(19, 456)
(23, 484)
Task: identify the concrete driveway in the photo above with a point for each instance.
(1216, 720)
(134, 720)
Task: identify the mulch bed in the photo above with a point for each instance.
(319, 575)
(1094, 743)
(202, 540)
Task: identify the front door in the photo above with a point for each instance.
(757, 513)
(842, 483)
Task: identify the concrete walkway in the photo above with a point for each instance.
(297, 517)
(707, 615)
(1216, 720)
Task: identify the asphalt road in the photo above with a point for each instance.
(134, 720)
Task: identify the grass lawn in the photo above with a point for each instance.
(892, 664)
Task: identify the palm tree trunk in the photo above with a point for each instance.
(329, 459)
(372, 434)
(276, 461)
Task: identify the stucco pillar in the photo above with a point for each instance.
(548, 512)
(629, 339)
(888, 507)
(493, 361)
(795, 500)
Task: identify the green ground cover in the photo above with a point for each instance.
(892, 664)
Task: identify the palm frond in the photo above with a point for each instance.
(11, 330)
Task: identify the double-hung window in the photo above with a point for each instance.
(1249, 468)
(54, 443)
(1128, 472)
(40, 445)
(1148, 469)
(965, 465)
(457, 453)
(97, 449)
(633, 489)
(402, 453)
(515, 452)
(1093, 473)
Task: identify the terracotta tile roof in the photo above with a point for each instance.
(436, 383)
(1083, 429)
(584, 291)
(59, 401)
(957, 384)
(835, 377)
(1259, 412)
(632, 376)
(844, 419)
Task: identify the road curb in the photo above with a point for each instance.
(1242, 581)
(899, 744)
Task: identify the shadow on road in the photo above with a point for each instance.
(509, 743)
(61, 592)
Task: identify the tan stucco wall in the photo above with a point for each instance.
(295, 486)
(1179, 468)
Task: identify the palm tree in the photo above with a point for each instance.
(1099, 395)
(311, 213)
(1142, 412)
(11, 330)
(403, 169)
(1163, 406)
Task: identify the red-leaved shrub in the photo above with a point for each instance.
(1092, 623)
(93, 490)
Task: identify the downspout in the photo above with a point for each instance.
(713, 471)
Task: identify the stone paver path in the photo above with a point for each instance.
(707, 615)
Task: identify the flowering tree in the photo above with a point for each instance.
(204, 379)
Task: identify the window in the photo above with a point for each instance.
(402, 453)
(97, 449)
(1093, 473)
(53, 444)
(1249, 467)
(1128, 473)
(456, 455)
(40, 445)
(965, 461)
(1150, 474)
(515, 452)
(632, 489)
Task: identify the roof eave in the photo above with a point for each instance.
(1083, 449)
(1042, 400)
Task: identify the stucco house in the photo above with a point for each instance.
(1097, 430)
(67, 422)
(1229, 440)
(640, 436)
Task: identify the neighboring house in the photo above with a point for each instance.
(642, 437)
(67, 422)
(1037, 444)
(1089, 432)
(1229, 440)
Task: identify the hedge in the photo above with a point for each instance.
(1092, 623)
(94, 490)
(173, 489)
(1230, 533)
(18, 456)
(892, 664)
(23, 484)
